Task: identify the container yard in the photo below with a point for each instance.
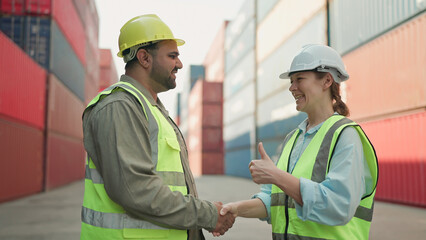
(52, 66)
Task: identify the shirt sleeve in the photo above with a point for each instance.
(265, 196)
(124, 161)
(335, 200)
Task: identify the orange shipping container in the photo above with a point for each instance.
(108, 72)
(388, 75)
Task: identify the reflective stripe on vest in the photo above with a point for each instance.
(317, 157)
(100, 212)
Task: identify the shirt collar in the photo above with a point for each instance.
(302, 126)
(144, 91)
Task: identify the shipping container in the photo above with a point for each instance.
(214, 62)
(268, 81)
(195, 162)
(13, 7)
(399, 145)
(71, 26)
(240, 75)
(64, 110)
(14, 27)
(67, 69)
(241, 104)
(241, 48)
(237, 161)
(383, 81)
(270, 36)
(263, 8)
(37, 39)
(90, 90)
(23, 91)
(354, 23)
(40, 7)
(65, 160)
(213, 163)
(239, 23)
(21, 168)
(239, 134)
(196, 72)
(108, 72)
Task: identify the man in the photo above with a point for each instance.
(138, 182)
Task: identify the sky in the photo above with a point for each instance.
(195, 21)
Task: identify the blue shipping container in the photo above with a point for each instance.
(37, 39)
(237, 161)
(13, 27)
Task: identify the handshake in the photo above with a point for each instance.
(225, 220)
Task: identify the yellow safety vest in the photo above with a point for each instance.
(314, 164)
(104, 219)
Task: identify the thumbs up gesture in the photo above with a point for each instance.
(263, 171)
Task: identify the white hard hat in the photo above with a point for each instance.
(321, 58)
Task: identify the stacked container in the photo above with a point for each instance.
(64, 44)
(108, 72)
(383, 48)
(239, 91)
(205, 141)
(22, 122)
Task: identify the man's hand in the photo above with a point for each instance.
(263, 170)
(224, 222)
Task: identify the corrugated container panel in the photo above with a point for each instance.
(92, 64)
(240, 134)
(92, 25)
(353, 23)
(23, 91)
(399, 145)
(71, 25)
(195, 162)
(237, 25)
(237, 161)
(214, 62)
(212, 92)
(212, 115)
(196, 72)
(64, 110)
(241, 48)
(239, 105)
(21, 171)
(263, 8)
(14, 28)
(65, 160)
(39, 7)
(240, 75)
(91, 89)
(213, 163)
(212, 139)
(268, 81)
(37, 39)
(108, 72)
(15, 7)
(277, 116)
(394, 90)
(289, 16)
(68, 69)
(273, 148)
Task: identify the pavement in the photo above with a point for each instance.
(55, 215)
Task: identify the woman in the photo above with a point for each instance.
(324, 182)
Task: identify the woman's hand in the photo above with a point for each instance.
(263, 171)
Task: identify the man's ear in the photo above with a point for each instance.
(144, 58)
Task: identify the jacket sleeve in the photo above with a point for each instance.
(123, 155)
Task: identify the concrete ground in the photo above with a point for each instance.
(56, 214)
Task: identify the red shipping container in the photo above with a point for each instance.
(64, 111)
(195, 163)
(213, 163)
(71, 26)
(388, 74)
(108, 72)
(91, 89)
(21, 167)
(65, 160)
(23, 91)
(14, 7)
(399, 144)
(212, 140)
(39, 7)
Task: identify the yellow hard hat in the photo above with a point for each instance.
(144, 29)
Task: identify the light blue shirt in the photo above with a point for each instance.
(335, 200)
